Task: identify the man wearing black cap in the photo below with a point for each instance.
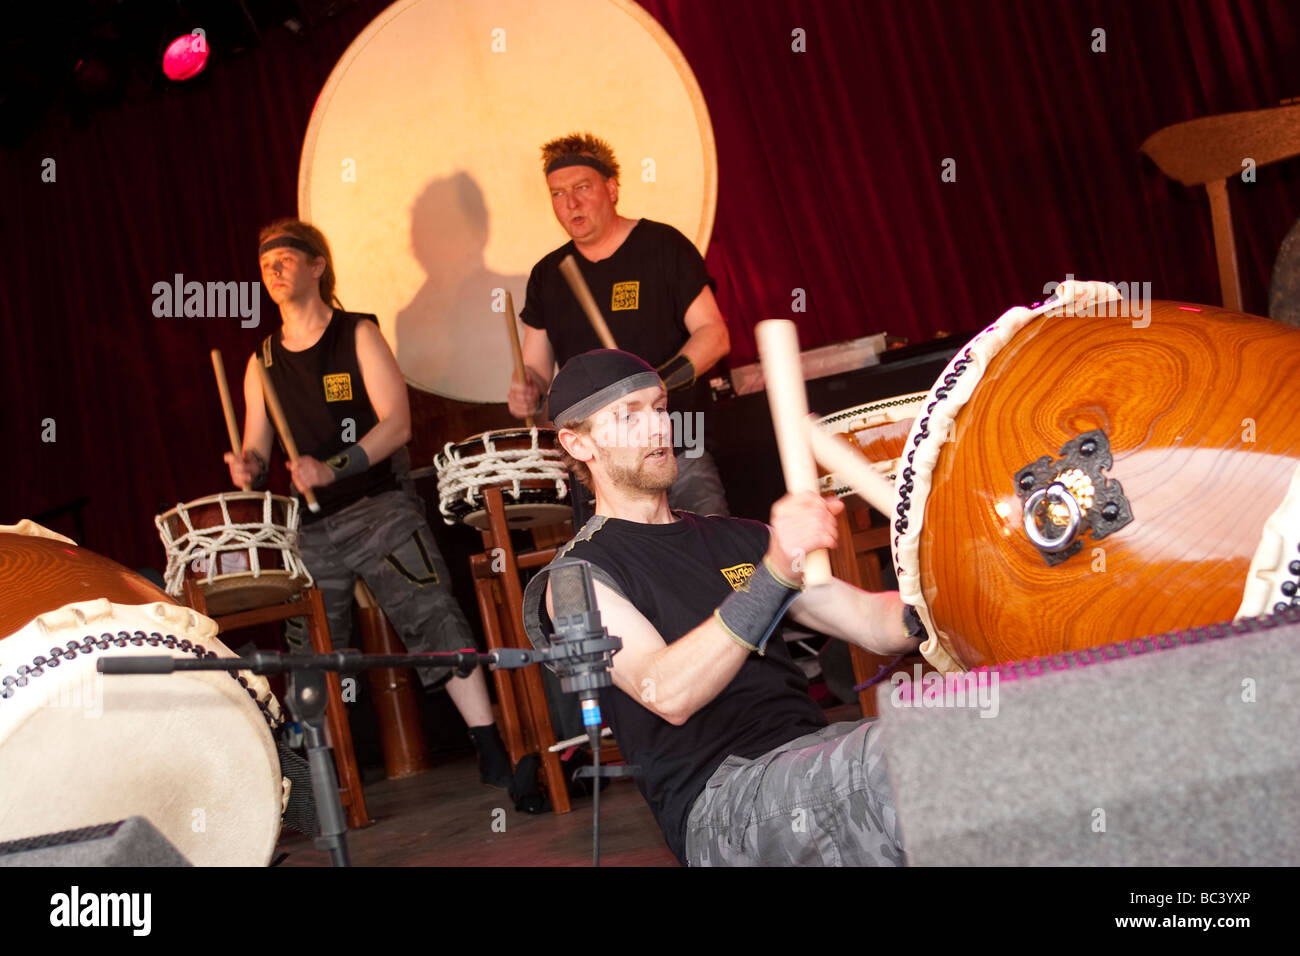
(736, 761)
(347, 408)
(653, 289)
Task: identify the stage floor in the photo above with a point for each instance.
(445, 817)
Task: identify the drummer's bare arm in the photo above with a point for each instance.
(871, 619)
(670, 680)
(539, 362)
(387, 391)
(805, 521)
(709, 339)
(251, 468)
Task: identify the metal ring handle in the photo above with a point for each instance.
(1057, 492)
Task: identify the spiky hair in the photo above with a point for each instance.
(584, 144)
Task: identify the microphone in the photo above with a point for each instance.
(583, 662)
(581, 651)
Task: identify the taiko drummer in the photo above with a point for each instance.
(347, 409)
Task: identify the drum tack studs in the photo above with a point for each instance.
(1110, 511)
(1294, 567)
(1088, 447)
(1289, 588)
(1026, 482)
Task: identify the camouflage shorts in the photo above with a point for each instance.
(386, 541)
(821, 800)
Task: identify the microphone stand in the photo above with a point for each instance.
(307, 699)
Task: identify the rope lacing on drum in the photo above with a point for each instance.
(25, 673)
(462, 477)
(905, 489)
(231, 537)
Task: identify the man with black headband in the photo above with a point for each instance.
(736, 761)
(348, 411)
(651, 286)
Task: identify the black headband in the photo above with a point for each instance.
(291, 242)
(577, 159)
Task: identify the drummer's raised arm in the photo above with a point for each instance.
(256, 448)
(387, 391)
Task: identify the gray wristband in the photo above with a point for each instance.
(352, 460)
(750, 615)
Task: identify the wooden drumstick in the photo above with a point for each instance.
(282, 426)
(512, 332)
(228, 407)
(851, 468)
(569, 266)
(778, 349)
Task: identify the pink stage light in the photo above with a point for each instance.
(185, 58)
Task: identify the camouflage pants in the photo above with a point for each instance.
(821, 800)
(386, 541)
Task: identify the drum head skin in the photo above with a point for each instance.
(422, 163)
(192, 752)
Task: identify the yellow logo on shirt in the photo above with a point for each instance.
(338, 387)
(627, 295)
(737, 576)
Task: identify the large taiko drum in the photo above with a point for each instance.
(239, 547)
(527, 464)
(1092, 473)
(192, 752)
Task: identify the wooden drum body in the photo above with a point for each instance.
(1158, 459)
(192, 752)
(240, 547)
(526, 463)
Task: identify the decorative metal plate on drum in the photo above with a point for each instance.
(422, 162)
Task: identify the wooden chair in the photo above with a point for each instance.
(1211, 150)
(307, 604)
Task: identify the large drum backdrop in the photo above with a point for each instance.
(1157, 458)
(422, 162)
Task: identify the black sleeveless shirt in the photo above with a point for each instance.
(676, 575)
(325, 401)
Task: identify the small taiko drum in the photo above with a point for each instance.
(192, 752)
(878, 430)
(527, 464)
(239, 547)
(1094, 471)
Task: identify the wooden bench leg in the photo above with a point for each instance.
(336, 718)
(507, 685)
(534, 696)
